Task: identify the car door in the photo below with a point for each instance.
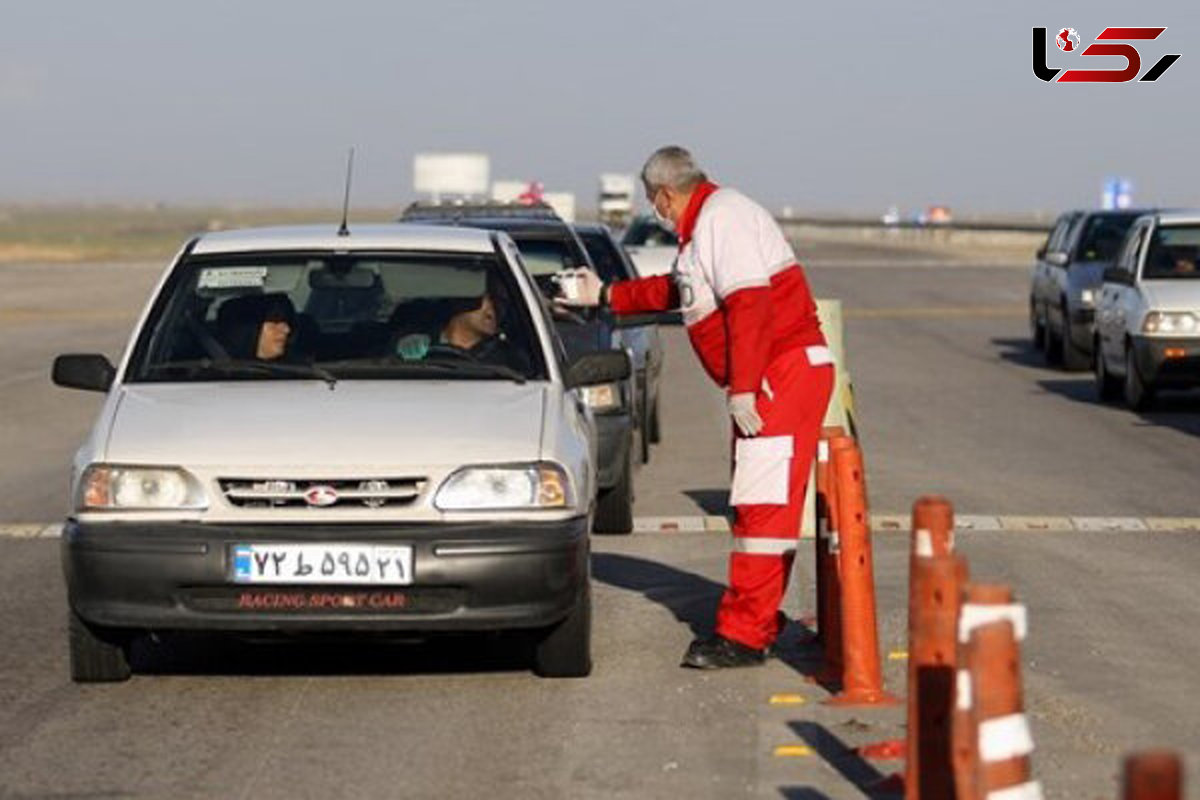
(1115, 297)
(1054, 275)
(1039, 290)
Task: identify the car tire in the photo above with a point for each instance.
(1138, 395)
(614, 506)
(1071, 357)
(1108, 388)
(1036, 328)
(1051, 346)
(655, 427)
(644, 418)
(565, 650)
(98, 655)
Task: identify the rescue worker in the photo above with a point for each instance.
(753, 323)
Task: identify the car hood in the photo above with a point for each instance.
(1180, 294)
(305, 423)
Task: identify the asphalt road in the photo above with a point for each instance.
(950, 399)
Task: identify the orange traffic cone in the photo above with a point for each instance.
(980, 603)
(829, 622)
(1153, 775)
(1004, 744)
(862, 678)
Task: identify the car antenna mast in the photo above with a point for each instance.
(345, 229)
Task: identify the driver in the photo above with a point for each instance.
(471, 329)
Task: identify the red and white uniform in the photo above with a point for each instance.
(753, 323)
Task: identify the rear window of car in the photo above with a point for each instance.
(1174, 253)
(605, 256)
(1102, 236)
(645, 232)
(363, 315)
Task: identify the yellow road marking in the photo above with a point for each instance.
(793, 751)
(935, 312)
(898, 655)
(787, 700)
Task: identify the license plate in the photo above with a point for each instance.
(388, 565)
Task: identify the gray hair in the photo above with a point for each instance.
(672, 167)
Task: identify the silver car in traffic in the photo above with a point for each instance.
(314, 431)
(1148, 314)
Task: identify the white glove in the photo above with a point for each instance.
(745, 414)
(581, 288)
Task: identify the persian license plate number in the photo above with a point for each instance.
(387, 565)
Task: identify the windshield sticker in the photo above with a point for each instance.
(232, 277)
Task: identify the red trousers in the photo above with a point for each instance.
(770, 478)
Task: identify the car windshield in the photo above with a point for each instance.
(1102, 237)
(645, 232)
(331, 317)
(607, 260)
(1174, 253)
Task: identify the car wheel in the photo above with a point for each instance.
(1051, 345)
(1069, 355)
(1138, 395)
(614, 506)
(565, 650)
(644, 418)
(98, 655)
(1107, 387)
(655, 428)
(1036, 328)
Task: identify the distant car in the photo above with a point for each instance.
(548, 245)
(1148, 314)
(642, 341)
(1066, 280)
(321, 433)
(652, 247)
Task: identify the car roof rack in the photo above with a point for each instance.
(456, 210)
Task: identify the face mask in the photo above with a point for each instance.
(663, 220)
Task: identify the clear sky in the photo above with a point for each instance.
(822, 106)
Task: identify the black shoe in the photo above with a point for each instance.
(718, 652)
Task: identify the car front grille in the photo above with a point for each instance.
(336, 494)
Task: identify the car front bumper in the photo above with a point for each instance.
(1180, 370)
(178, 575)
(614, 438)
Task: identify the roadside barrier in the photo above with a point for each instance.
(1153, 775)
(967, 734)
(862, 677)
(828, 589)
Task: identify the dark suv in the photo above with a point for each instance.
(547, 244)
(641, 340)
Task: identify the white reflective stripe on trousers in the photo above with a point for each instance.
(759, 546)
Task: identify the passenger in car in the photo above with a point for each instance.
(257, 326)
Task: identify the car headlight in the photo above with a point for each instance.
(106, 486)
(506, 488)
(1087, 297)
(603, 397)
(1169, 322)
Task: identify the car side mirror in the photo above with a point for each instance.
(90, 371)
(592, 369)
(1117, 275)
(1057, 258)
(1041, 252)
(638, 320)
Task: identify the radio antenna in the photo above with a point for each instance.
(345, 230)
